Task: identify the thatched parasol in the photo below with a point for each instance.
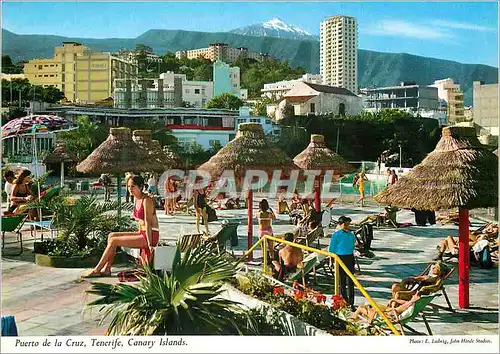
(157, 161)
(117, 154)
(460, 172)
(250, 150)
(317, 156)
(61, 155)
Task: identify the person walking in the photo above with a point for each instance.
(342, 244)
(361, 185)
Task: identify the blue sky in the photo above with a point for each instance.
(465, 32)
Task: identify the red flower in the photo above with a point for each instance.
(320, 298)
(298, 294)
(338, 302)
(278, 290)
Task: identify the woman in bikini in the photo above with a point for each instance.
(265, 217)
(146, 238)
(170, 189)
(21, 192)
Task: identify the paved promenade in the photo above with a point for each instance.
(49, 301)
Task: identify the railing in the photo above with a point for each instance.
(338, 262)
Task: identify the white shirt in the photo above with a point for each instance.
(8, 189)
(151, 181)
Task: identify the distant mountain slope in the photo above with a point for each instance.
(275, 28)
(374, 68)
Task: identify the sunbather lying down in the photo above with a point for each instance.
(422, 284)
(373, 218)
(396, 310)
(451, 244)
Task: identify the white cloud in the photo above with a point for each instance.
(398, 28)
(463, 26)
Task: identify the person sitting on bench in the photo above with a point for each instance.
(288, 258)
(423, 284)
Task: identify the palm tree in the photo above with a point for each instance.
(184, 302)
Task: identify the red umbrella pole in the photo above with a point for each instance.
(250, 221)
(464, 261)
(317, 194)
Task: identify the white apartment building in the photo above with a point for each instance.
(452, 98)
(485, 106)
(276, 90)
(220, 51)
(339, 52)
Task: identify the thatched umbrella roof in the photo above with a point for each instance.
(158, 161)
(460, 172)
(60, 154)
(317, 156)
(250, 150)
(117, 154)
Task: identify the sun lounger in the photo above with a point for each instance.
(13, 224)
(418, 309)
(442, 288)
(229, 232)
(311, 237)
(408, 316)
(189, 241)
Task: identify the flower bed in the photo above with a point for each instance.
(303, 305)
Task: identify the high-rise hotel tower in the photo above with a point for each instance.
(339, 52)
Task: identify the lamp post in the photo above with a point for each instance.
(400, 156)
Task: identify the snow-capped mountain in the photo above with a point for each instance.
(275, 28)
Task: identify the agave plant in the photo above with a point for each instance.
(185, 302)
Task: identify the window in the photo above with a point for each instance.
(212, 143)
(255, 120)
(51, 75)
(45, 75)
(235, 85)
(312, 107)
(268, 121)
(186, 91)
(40, 67)
(197, 91)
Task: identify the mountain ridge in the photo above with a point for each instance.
(374, 68)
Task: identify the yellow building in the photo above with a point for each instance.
(83, 75)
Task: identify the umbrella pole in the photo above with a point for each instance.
(119, 192)
(36, 176)
(62, 174)
(317, 194)
(463, 259)
(250, 221)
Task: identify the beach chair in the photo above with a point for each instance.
(13, 224)
(229, 232)
(187, 206)
(311, 237)
(189, 241)
(418, 309)
(406, 317)
(442, 288)
(389, 219)
(307, 265)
